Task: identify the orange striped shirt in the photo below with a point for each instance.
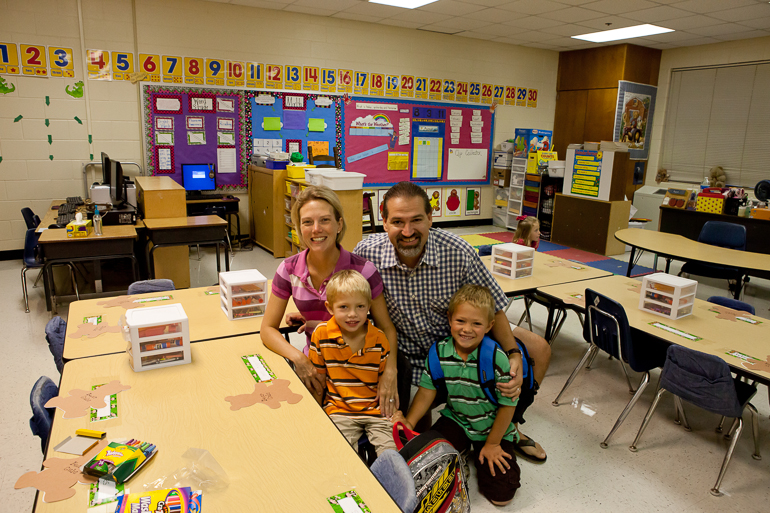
(351, 379)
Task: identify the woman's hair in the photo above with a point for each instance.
(346, 283)
(524, 228)
(312, 193)
(474, 295)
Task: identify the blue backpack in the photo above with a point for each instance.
(486, 368)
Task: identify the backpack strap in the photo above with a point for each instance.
(437, 374)
(486, 368)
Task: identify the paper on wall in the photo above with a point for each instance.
(476, 118)
(398, 161)
(225, 105)
(476, 112)
(164, 159)
(226, 138)
(319, 147)
(196, 138)
(172, 104)
(455, 123)
(164, 138)
(226, 160)
(455, 129)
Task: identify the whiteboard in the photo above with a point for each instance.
(467, 164)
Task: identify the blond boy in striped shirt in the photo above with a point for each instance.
(351, 353)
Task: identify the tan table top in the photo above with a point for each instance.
(718, 336)
(206, 320)
(548, 270)
(682, 248)
(184, 222)
(52, 215)
(286, 459)
(119, 231)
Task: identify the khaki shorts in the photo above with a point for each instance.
(378, 430)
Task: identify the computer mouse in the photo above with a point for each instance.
(55, 225)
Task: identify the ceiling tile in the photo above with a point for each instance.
(492, 15)
(262, 4)
(535, 36)
(477, 35)
(702, 41)
(443, 30)
(657, 14)
(575, 2)
(615, 22)
(743, 35)
(509, 40)
(533, 6)
(619, 6)
(400, 23)
(486, 3)
(706, 6)
(451, 7)
(568, 42)
(672, 37)
(568, 29)
(758, 23)
(574, 15)
(306, 9)
(336, 5)
(503, 30)
(357, 17)
(720, 30)
(744, 13)
(691, 22)
(422, 17)
(542, 46)
(533, 22)
(460, 24)
(378, 10)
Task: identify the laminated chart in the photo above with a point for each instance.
(586, 174)
(426, 164)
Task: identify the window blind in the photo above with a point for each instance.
(718, 116)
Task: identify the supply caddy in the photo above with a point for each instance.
(157, 336)
(667, 295)
(243, 293)
(512, 260)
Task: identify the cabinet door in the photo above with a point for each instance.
(262, 208)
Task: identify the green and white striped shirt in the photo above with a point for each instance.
(466, 403)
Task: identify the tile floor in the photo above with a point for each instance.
(672, 471)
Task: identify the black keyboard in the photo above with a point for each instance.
(75, 200)
(208, 197)
(65, 218)
(67, 208)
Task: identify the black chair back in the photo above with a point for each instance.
(725, 235)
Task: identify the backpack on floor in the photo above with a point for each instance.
(486, 368)
(439, 479)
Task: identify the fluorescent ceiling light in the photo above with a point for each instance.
(623, 33)
(406, 4)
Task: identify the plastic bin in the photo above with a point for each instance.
(343, 180)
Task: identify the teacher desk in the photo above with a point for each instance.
(206, 320)
(291, 458)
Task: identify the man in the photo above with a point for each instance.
(421, 268)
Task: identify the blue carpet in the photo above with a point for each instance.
(549, 246)
(619, 267)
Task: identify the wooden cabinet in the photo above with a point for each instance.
(589, 224)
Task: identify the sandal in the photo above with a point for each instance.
(529, 442)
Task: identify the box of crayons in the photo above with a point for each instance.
(119, 461)
(178, 500)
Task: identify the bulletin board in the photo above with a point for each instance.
(428, 143)
(289, 121)
(195, 126)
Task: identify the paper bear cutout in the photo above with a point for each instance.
(759, 365)
(126, 302)
(264, 393)
(60, 475)
(728, 313)
(79, 402)
(93, 330)
(570, 299)
(565, 263)
(453, 201)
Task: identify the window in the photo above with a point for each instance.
(718, 116)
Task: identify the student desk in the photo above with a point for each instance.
(185, 231)
(286, 459)
(115, 242)
(672, 246)
(197, 206)
(718, 336)
(547, 270)
(206, 320)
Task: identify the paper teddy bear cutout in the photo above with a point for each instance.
(93, 330)
(758, 365)
(79, 402)
(60, 475)
(271, 395)
(126, 302)
(728, 313)
(565, 263)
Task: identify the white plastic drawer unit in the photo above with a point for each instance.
(157, 336)
(512, 260)
(243, 294)
(667, 295)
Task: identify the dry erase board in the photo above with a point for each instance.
(195, 126)
(428, 143)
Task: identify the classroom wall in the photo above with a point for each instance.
(110, 111)
(730, 52)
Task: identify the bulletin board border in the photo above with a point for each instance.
(439, 104)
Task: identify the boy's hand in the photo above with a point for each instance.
(387, 392)
(495, 455)
(399, 417)
(294, 318)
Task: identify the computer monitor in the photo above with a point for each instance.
(117, 185)
(106, 169)
(198, 177)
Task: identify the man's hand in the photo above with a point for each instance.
(295, 318)
(495, 456)
(387, 392)
(512, 389)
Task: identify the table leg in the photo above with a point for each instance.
(227, 257)
(47, 287)
(98, 275)
(655, 263)
(549, 324)
(151, 261)
(631, 261)
(218, 264)
(668, 264)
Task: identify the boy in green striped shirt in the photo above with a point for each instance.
(470, 419)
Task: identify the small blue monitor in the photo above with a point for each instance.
(199, 177)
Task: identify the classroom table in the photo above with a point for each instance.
(716, 336)
(287, 459)
(676, 247)
(202, 306)
(186, 231)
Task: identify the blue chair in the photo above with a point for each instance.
(606, 328)
(55, 331)
(732, 303)
(725, 235)
(42, 417)
(705, 381)
(147, 286)
(31, 259)
(30, 219)
(394, 475)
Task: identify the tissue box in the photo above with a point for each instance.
(80, 228)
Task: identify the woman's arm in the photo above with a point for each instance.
(387, 391)
(274, 341)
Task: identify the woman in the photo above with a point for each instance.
(318, 219)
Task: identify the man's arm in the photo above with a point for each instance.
(502, 333)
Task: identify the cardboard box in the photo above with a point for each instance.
(77, 229)
(528, 140)
(501, 177)
(760, 213)
(502, 159)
